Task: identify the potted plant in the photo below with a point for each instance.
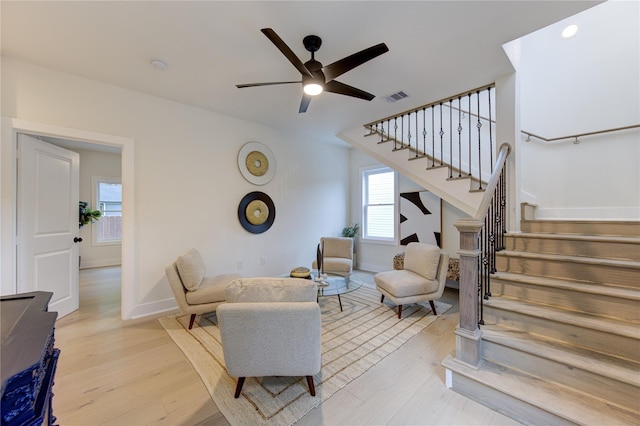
(87, 215)
(351, 231)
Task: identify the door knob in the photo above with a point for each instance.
(77, 240)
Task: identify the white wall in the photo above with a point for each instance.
(587, 83)
(101, 164)
(379, 257)
(187, 183)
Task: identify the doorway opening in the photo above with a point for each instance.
(77, 139)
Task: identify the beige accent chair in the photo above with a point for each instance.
(195, 293)
(336, 255)
(271, 327)
(423, 278)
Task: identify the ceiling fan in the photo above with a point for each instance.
(317, 78)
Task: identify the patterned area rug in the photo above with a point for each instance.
(352, 342)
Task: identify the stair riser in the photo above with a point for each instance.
(596, 273)
(592, 339)
(515, 408)
(597, 249)
(582, 228)
(615, 392)
(596, 304)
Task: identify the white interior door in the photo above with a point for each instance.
(48, 231)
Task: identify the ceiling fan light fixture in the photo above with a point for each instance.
(313, 88)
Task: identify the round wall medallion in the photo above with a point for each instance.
(256, 212)
(256, 163)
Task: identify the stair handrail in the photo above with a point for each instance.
(577, 136)
(505, 149)
(480, 237)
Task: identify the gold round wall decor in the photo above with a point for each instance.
(256, 163)
(256, 212)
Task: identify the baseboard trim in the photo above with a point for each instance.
(153, 308)
(99, 263)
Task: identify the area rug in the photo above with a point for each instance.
(354, 340)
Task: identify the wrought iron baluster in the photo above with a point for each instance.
(417, 141)
(491, 153)
(459, 136)
(424, 131)
(479, 125)
(469, 96)
(409, 130)
(395, 133)
(480, 298)
(441, 136)
(450, 138)
(503, 206)
(433, 140)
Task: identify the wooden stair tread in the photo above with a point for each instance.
(581, 286)
(576, 259)
(577, 318)
(565, 403)
(623, 370)
(586, 221)
(576, 237)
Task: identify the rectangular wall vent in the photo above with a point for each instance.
(395, 97)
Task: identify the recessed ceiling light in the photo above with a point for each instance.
(159, 65)
(570, 31)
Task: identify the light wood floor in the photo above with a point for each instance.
(131, 373)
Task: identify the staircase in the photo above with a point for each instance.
(561, 340)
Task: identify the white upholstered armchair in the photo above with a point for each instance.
(271, 327)
(335, 255)
(423, 278)
(196, 293)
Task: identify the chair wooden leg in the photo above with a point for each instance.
(399, 311)
(433, 307)
(382, 299)
(193, 318)
(312, 388)
(239, 387)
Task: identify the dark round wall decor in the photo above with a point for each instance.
(256, 212)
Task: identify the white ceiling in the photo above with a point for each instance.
(437, 48)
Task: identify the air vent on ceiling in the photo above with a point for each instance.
(395, 97)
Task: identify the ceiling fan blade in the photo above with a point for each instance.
(338, 68)
(282, 46)
(344, 89)
(240, 86)
(304, 103)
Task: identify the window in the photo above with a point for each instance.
(108, 199)
(379, 204)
